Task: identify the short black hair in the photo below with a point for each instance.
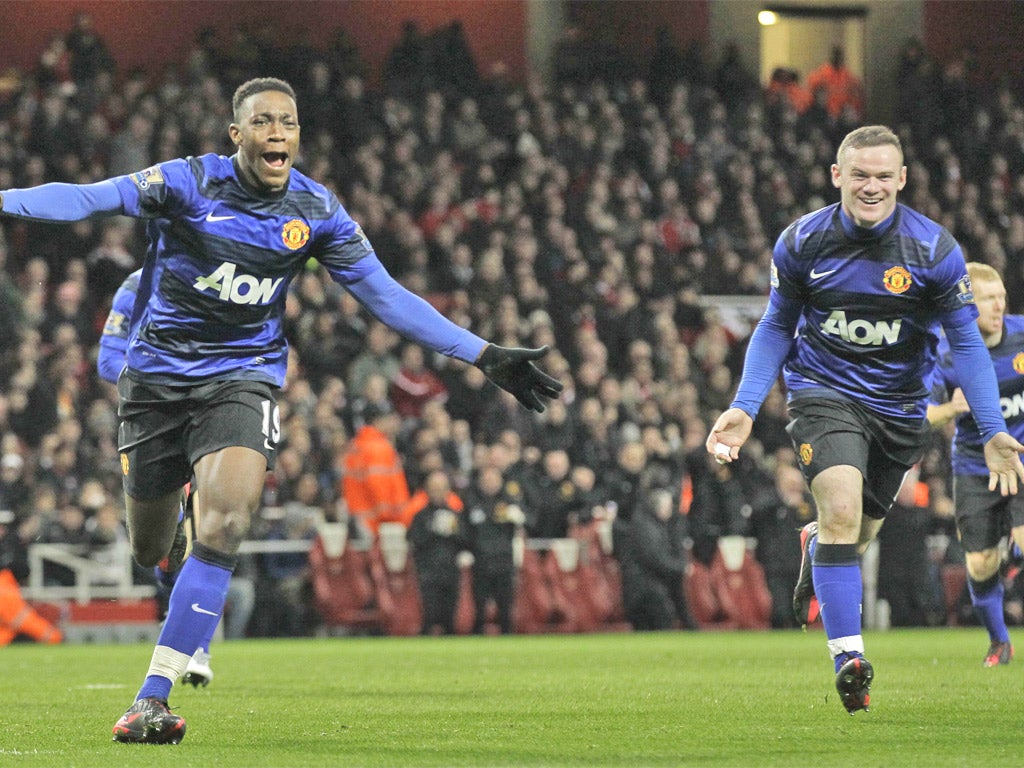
(258, 85)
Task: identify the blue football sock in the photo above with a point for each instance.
(192, 616)
(987, 599)
(837, 585)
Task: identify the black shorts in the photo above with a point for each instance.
(165, 430)
(983, 517)
(828, 432)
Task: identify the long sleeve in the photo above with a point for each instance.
(769, 346)
(63, 202)
(413, 317)
(973, 367)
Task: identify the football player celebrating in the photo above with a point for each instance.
(983, 516)
(207, 352)
(859, 289)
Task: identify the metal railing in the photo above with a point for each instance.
(107, 574)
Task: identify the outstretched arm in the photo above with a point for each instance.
(62, 202)
(512, 369)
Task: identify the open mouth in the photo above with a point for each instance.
(275, 159)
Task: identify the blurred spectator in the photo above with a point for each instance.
(67, 528)
(414, 384)
(553, 501)
(469, 392)
(288, 572)
(904, 576)
(653, 559)
(13, 550)
(494, 517)
(719, 504)
(406, 72)
(437, 535)
(784, 92)
(775, 522)
(842, 88)
(89, 53)
(129, 148)
(15, 491)
(377, 358)
(629, 480)
(374, 485)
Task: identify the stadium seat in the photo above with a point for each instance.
(602, 576)
(739, 584)
(345, 584)
(393, 562)
(561, 569)
(534, 605)
(704, 602)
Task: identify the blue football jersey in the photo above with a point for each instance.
(212, 291)
(117, 328)
(1008, 362)
(872, 304)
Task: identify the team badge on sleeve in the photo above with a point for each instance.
(774, 275)
(964, 291)
(897, 280)
(363, 238)
(116, 325)
(147, 178)
(295, 234)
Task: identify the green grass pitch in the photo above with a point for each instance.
(674, 699)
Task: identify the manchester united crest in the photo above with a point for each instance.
(1018, 363)
(897, 279)
(806, 453)
(295, 234)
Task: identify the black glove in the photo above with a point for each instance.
(512, 369)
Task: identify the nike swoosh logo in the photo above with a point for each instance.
(815, 275)
(210, 217)
(197, 609)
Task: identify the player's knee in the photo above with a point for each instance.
(982, 565)
(147, 553)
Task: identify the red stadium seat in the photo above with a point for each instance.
(561, 569)
(742, 591)
(345, 588)
(398, 578)
(703, 600)
(597, 583)
(534, 605)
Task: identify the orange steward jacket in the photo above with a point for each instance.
(374, 484)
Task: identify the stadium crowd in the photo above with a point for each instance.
(595, 213)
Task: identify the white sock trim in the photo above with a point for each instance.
(167, 662)
(851, 644)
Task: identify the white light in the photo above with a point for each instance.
(767, 18)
